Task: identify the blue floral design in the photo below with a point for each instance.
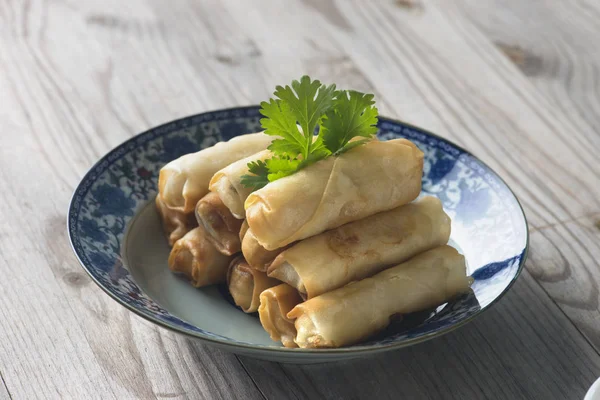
(91, 229)
(490, 270)
(232, 129)
(102, 260)
(442, 167)
(112, 201)
(176, 146)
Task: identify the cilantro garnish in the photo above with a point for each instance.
(296, 112)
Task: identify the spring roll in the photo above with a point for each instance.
(175, 223)
(184, 181)
(246, 284)
(223, 229)
(195, 257)
(227, 183)
(362, 248)
(360, 309)
(275, 304)
(368, 179)
(257, 256)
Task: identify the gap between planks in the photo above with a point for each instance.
(4, 392)
(592, 215)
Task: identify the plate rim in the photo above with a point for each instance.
(239, 346)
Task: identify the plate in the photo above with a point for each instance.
(116, 234)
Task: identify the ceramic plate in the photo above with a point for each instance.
(116, 234)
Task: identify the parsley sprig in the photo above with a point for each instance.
(294, 115)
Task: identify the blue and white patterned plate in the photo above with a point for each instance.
(116, 234)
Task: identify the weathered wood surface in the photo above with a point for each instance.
(78, 78)
(4, 395)
(555, 45)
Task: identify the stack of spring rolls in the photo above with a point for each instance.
(327, 255)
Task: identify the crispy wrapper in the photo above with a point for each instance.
(257, 256)
(275, 304)
(198, 259)
(243, 230)
(184, 181)
(362, 248)
(227, 183)
(246, 284)
(175, 223)
(223, 228)
(360, 309)
(368, 179)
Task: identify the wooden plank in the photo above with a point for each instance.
(71, 91)
(563, 63)
(564, 258)
(557, 50)
(4, 393)
(61, 336)
(519, 349)
(176, 366)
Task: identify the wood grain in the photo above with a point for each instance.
(80, 77)
(563, 63)
(4, 394)
(557, 51)
(564, 258)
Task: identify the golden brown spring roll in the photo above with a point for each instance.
(175, 223)
(223, 228)
(227, 183)
(368, 179)
(354, 312)
(246, 284)
(275, 304)
(184, 181)
(362, 248)
(195, 257)
(257, 256)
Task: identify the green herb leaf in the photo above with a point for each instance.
(281, 166)
(259, 177)
(318, 152)
(351, 145)
(308, 101)
(353, 114)
(294, 115)
(281, 121)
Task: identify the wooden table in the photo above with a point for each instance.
(516, 82)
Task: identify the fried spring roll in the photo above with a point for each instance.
(275, 304)
(362, 248)
(198, 259)
(223, 228)
(354, 312)
(246, 284)
(227, 183)
(257, 256)
(175, 223)
(184, 181)
(368, 179)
